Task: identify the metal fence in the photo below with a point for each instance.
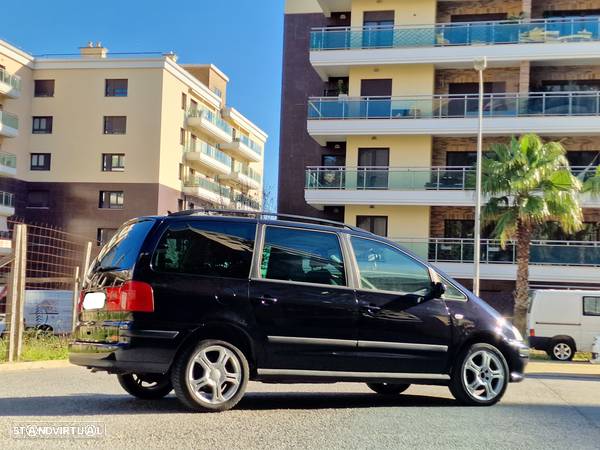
(41, 270)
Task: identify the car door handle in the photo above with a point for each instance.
(371, 308)
(266, 300)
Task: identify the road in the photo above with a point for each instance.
(544, 412)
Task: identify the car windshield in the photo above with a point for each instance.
(121, 252)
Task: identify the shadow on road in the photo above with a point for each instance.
(99, 404)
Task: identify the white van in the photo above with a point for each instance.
(562, 322)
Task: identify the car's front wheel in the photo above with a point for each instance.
(388, 388)
(146, 386)
(211, 376)
(480, 376)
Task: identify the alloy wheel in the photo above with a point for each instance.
(562, 351)
(483, 375)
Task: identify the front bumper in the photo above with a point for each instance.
(518, 359)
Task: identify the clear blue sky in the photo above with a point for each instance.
(242, 37)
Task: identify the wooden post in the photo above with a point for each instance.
(76, 288)
(86, 261)
(21, 292)
(14, 293)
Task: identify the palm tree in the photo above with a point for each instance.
(530, 183)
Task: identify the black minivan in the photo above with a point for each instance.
(204, 301)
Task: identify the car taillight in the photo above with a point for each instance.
(133, 296)
(531, 332)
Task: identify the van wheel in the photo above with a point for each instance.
(388, 388)
(211, 376)
(562, 350)
(146, 386)
(480, 376)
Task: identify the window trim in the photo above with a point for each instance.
(112, 169)
(165, 229)
(359, 287)
(106, 89)
(44, 168)
(47, 130)
(583, 298)
(257, 260)
(107, 194)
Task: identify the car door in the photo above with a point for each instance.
(399, 329)
(302, 302)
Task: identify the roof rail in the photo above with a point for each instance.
(237, 212)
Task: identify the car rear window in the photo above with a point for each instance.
(121, 252)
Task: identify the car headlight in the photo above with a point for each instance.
(517, 333)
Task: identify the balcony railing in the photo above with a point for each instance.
(7, 199)
(580, 29)
(8, 160)
(209, 185)
(212, 117)
(256, 148)
(556, 253)
(210, 151)
(390, 178)
(239, 167)
(13, 81)
(244, 200)
(579, 103)
(9, 120)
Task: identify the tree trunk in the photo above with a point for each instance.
(522, 285)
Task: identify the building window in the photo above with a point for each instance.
(182, 136)
(113, 162)
(115, 124)
(116, 88)
(104, 235)
(193, 105)
(43, 88)
(38, 199)
(183, 101)
(181, 169)
(40, 161)
(180, 204)
(111, 200)
(218, 91)
(375, 224)
(42, 125)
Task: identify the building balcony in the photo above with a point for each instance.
(9, 124)
(210, 123)
(207, 190)
(549, 113)
(245, 148)
(10, 84)
(7, 204)
(557, 261)
(402, 186)
(8, 165)
(244, 202)
(334, 50)
(245, 176)
(206, 157)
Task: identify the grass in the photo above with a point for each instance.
(538, 355)
(39, 347)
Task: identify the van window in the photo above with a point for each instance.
(385, 268)
(303, 256)
(210, 248)
(591, 306)
(122, 250)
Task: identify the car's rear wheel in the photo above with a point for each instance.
(480, 376)
(211, 376)
(146, 386)
(562, 350)
(388, 388)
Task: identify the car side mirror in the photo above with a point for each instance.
(438, 290)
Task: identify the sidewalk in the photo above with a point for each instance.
(34, 365)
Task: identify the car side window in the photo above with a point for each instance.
(209, 248)
(385, 268)
(302, 256)
(591, 306)
(452, 292)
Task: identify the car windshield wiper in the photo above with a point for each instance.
(109, 269)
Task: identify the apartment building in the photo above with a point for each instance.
(90, 140)
(379, 121)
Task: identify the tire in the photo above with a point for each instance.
(219, 371)
(562, 350)
(480, 376)
(146, 386)
(388, 388)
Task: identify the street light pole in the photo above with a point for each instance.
(480, 66)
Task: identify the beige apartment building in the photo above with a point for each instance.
(379, 121)
(90, 140)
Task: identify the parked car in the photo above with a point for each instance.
(203, 303)
(563, 322)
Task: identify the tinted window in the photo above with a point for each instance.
(303, 256)
(591, 306)
(452, 292)
(122, 250)
(386, 268)
(211, 248)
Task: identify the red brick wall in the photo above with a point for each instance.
(508, 75)
(539, 6)
(448, 9)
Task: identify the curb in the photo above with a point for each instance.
(34, 365)
(561, 368)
